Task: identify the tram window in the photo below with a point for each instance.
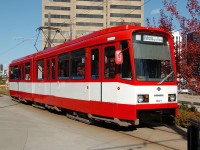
(95, 63)
(63, 66)
(27, 71)
(78, 64)
(125, 67)
(14, 73)
(110, 67)
(22, 72)
(53, 69)
(48, 69)
(40, 69)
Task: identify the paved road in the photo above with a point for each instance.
(187, 97)
(191, 100)
(23, 127)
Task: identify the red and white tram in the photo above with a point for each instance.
(113, 75)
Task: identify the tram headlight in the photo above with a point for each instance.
(143, 98)
(171, 97)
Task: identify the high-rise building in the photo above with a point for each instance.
(177, 41)
(80, 17)
(195, 38)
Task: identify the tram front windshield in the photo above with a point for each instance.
(152, 58)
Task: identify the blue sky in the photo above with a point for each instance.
(20, 20)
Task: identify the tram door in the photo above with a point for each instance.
(21, 79)
(50, 76)
(95, 90)
(109, 84)
(102, 83)
(103, 68)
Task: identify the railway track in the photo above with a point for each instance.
(150, 135)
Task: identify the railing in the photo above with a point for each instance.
(194, 135)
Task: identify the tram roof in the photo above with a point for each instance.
(96, 34)
(83, 38)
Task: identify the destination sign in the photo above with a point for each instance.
(150, 38)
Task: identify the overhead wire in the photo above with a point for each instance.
(15, 46)
(102, 4)
(10, 49)
(70, 21)
(73, 18)
(86, 11)
(132, 11)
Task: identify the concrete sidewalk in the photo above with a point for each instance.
(189, 98)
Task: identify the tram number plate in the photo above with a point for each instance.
(158, 101)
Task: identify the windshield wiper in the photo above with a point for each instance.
(166, 78)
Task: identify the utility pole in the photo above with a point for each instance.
(49, 30)
(106, 13)
(70, 30)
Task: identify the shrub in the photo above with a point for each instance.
(184, 114)
(4, 91)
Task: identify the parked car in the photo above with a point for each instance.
(183, 91)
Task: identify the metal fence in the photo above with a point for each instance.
(194, 135)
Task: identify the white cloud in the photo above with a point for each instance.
(155, 11)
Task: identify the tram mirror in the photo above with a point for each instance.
(118, 57)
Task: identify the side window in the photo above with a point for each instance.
(53, 68)
(40, 69)
(22, 72)
(48, 69)
(95, 63)
(125, 67)
(110, 66)
(27, 71)
(14, 73)
(63, 66)
(78, 64)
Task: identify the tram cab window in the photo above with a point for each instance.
(14, 73)
(152, 58)
(27, 71)
(40, 69)
(109, 63)
(125, 67)
(78, 64)
(63, 66)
